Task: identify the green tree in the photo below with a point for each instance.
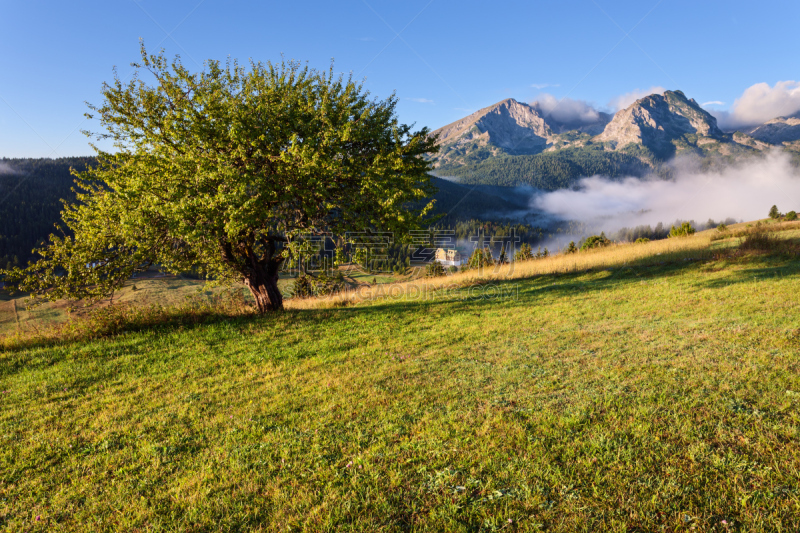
(339, 258)
(502, 259)
(571, 249)
(595, 241)
(791, 215)
(524, 253)
(774, 213)
(684, 230)
(225, 170)
(360, 256)
(481, 257)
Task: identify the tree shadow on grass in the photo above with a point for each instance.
(509, 293)
(533, 291)
(756, 274)
(525, 291)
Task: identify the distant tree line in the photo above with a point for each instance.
(775, 214)
(662, 231)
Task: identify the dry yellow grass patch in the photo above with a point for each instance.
(614, 256)
(697, 246)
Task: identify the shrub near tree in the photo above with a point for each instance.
(791, 215)
(302, 287)
(224, 171)
(684, 230)
(434, 270)
(595, 241)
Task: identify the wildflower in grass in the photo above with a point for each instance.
(510, 521)
(348, 465)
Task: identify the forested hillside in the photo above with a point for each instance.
(548, 171)
(456, 202)
(31, 191)
(30, 202)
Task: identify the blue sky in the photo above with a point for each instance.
(443, 58)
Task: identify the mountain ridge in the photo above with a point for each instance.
(653, 129)
(779, 130)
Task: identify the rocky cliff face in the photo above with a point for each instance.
(658, 121)
(778, 130)
(506, 127)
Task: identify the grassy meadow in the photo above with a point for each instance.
(648, 387)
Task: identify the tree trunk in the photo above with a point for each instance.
(263, 285)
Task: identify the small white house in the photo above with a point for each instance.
(450, 257)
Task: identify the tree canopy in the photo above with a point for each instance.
(226, 171)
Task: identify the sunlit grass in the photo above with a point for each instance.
(650, 393)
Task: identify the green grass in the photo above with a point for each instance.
(15, 316)
(661, 398)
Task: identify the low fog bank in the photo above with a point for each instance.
(745, 190)
(7, 170)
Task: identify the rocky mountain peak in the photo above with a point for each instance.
(655, 121)
(508, 126)
(778, 130)
(502, 121)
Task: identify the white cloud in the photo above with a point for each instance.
(566, 110)
(544, 85)
(712, 102)
(744, 191)
(624, 100)
(420, 100)
(760, 103)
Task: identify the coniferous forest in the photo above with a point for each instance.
(30, 202)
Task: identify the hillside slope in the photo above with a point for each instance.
(641, 397)
(458, 201)
(31, 191)
(551, 170)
